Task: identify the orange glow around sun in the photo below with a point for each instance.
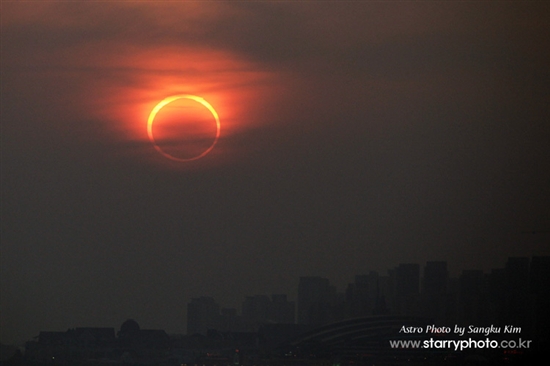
(144, 110)
(114, 77)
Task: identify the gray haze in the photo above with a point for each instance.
(361, 136)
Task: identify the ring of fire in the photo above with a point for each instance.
(169, 100)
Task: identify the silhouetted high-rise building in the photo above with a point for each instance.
(539, 275)
(281, 311)
(363, 297)
(540, 288)
(517, 299)
(313, 300)
(436, 278)
(230, 321)
(407, 279)
(357, 297)
(517, 272)
(407, 288)
(496, 292)
(203, 313)
(435, 298)
(472, 298)
(255, 308)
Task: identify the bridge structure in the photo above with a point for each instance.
(359, 339)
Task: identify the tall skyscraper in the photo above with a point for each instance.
(473, 298)
(364, 295)
(407, 288)
(313, 299)
(518, 296)
(407, 281)
(540, 288)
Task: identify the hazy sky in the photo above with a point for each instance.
(354, 136)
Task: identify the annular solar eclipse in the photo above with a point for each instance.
(165, 102)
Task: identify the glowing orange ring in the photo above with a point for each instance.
(169, 100)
